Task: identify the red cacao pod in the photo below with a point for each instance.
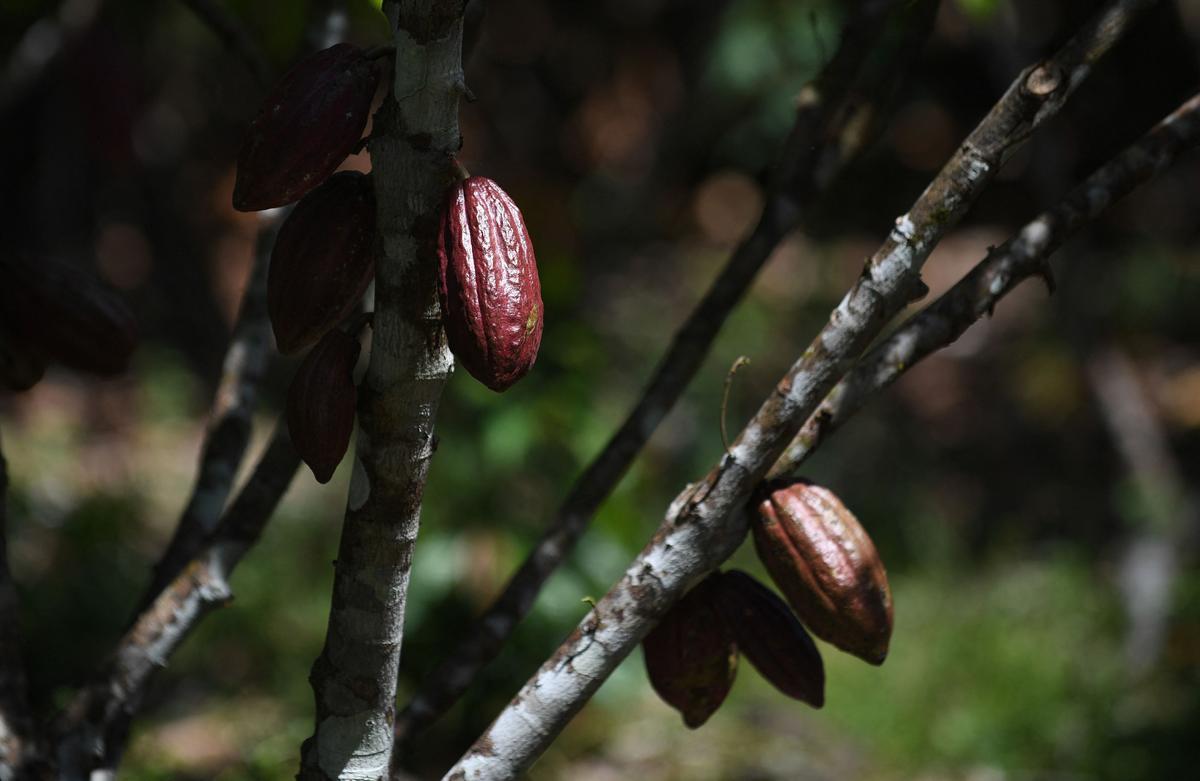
(306, 127)
(323, 260)
(61, 312)
(771, 637)
(488, 283)
(321, 403)
(826, 565)
(691, 659)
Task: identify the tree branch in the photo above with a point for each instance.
(978, 292)
(832, 124)
(704, 524)
(416, 135)
(230, 420)
(222, 453)
(17, 736)
(91, 732)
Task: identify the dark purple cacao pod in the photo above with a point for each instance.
(488, 283)
(691, 659)
(58, 311)
(321, 403)
(323, 260)
(306, 127)
(824, 562)
(769, 635)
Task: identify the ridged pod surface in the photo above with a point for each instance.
(824, 562)
(770, 636)
(60, 312)
(488, 283)
(306, 127)
(321, 403)
(690, 656)
(323, 260)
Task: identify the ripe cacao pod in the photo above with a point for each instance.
(825, 564)
(323, 260)
(306, 127)
(321, 403)
(771, 637)
(59, 311)
(488, 283)
(691, 658)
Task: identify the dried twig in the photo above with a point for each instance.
(834, 121)
(704, 524)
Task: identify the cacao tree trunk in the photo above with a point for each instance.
(415, 136)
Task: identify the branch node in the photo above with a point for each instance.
(1044, 80)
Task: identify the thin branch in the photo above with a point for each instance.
(412, 149)
(704, 525)
(833, 122)
(230, 420)
(91, 732)
(206, 544)
(17, 734)
(235, 36)
(977, 293)
(222, 453)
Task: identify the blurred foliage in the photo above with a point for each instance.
(634, 134)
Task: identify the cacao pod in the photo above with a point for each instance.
(306, 127)
(822, 560)
(488, 283)
(771, 637)
(58, 311)
(321, 403)
(691, 659)
(323, 260)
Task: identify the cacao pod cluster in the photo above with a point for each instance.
(692, 655)
(826, 566)
(324, 257)
(53, 311)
